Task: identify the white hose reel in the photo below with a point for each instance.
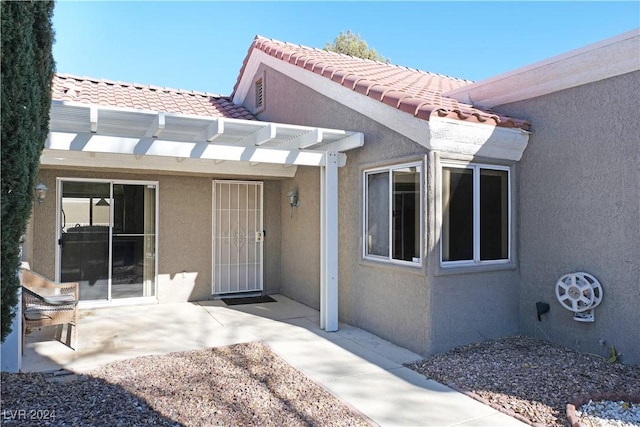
(580, 293)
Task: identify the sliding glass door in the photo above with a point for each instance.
(84, 237)
(107, 238)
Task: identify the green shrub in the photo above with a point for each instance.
(27, 69)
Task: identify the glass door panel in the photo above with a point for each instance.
(84, 237)
(133, 256)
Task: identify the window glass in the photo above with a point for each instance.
(494, 214)
(457, 214)
(378, 214)
(393, 213)
(406, 213)
(475, 214)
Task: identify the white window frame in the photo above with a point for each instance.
(417, 261)
(475, 167)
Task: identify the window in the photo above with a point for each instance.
(393, 213)
(476, 214)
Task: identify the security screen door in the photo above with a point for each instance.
(107, 238)
(237, 237)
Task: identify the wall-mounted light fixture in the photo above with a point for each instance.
(40, 192)
(294, 202)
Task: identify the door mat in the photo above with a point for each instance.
(248, 300)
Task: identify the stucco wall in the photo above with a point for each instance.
(300, 247)
(184, 226)
(471, 303)
(580, 211)
(406, 305)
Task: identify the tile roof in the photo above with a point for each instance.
(410, 90)
(66, 87)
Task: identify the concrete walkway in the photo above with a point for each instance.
(358, 367)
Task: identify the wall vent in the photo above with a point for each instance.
(259, 94)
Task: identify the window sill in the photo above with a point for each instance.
(478, 268)
(411, 268)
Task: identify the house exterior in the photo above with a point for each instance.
(383, 196)
(166, 196)
(579, 201)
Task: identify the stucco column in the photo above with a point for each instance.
(329, 243)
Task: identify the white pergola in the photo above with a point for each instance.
(94, 136)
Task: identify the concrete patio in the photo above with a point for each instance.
(358, 367)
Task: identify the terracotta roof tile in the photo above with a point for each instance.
(66, 87)
(413, 91)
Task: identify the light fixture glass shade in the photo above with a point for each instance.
(41, 192)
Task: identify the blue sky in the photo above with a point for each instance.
(201, 45)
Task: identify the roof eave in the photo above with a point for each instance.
(401, 101)
(608, 58)
(470, 136)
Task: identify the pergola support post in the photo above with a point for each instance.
(329, 243)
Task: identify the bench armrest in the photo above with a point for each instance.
(45, 287)
(65, 299)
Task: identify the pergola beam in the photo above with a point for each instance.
(214, 130)
(309, 139)
(157, 126)
(93, 119)
(347, 143)
(149, 146)
(260, 136)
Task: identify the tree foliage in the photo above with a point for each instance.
(27, 69)
(351, 44)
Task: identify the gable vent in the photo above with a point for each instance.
(259, 88)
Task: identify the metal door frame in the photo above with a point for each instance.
(214, 262)
(58, 236)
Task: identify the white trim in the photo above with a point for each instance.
(608, 58)
(475, 139)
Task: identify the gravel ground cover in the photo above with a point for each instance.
(238, 385)
(616, 413)
(528, 378)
